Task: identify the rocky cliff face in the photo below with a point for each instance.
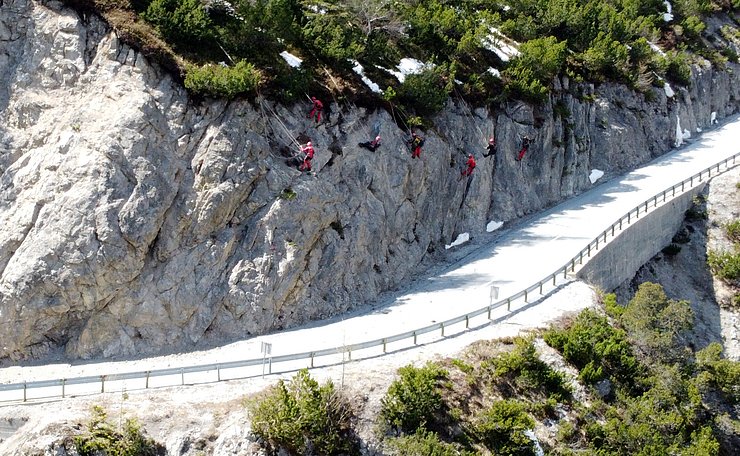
(134, 220)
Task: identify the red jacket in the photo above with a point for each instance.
(471, 162)
(308, 150)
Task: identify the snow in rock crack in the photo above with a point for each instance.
(461, 239)
(291, 60)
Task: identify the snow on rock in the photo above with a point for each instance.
(461, 239)
(713, 118)
(656, 48)
(679, 133)
(408, 66)
(698, 130)
(595, 175)
(494, 72)
(668, 90)
(357, 68)
(686, 134)
(493, 225)
(537, 447)
(291, 60)
(499, 44)
(668, 16)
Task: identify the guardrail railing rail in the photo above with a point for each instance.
(61, 388)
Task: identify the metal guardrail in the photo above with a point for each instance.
(61, 387)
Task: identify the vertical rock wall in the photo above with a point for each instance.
(133, 220)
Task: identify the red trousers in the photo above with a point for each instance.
(521, 153)
(416, 153)
(306, 165)
(468, 171)
(317, 111)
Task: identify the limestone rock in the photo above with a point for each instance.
(134, 221)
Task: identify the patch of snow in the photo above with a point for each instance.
(679, 133)
(655, 48)
(669, 15)
(686, 134)
(713, 118)
(494, 72)
(595, 175)
(698, 130)
(357, 68)
(408, 66)
(493, 225)
(459, 82)
(499, 44)
(506, 8)
(461, 239)
(316, 9)
(537, 447)
(291, 60)
(668, 90)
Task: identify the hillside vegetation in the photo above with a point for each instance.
(619, 380)
(485, 49)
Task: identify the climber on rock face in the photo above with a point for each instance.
(524, 149)
(491, 148)
(307, 149)
(416, 143)
(371, 145)
(318, 106)
(471, 166)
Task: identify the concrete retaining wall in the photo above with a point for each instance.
(620, 259)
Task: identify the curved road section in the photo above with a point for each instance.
(512, 261)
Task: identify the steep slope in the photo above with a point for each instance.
(135, 220)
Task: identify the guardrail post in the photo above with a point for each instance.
(612, 233)
(565, 271)
(572, 266)
(269, 365)
(553, 279)
(683, 183)
(692, 181)
(218, 372)
(414, 337)
(24, 392)
(664, 196)
(525, 296)
(311, 360)
(442, 327)
(146, 382)
(655, 201)
(605, 236)
(646, 206)
(489, 312)
(597, 244)
(64, 381)
(508, 304)
(629, 219)
(182, 376)
(102, 384)
(540, 287)
(674, 190)
(383, 345)
(580, 259)
(467, 322)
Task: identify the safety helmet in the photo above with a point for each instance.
(491, 140)
(377, 138)
(309, 143)
(313, 98)
(470, 155)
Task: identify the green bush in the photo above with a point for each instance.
(529, 74)
(414, 400)
(501, 429)
(654, 322)
(303, 414)
(222, 81)
(723, 374)
(677, 67)
(427, 92)
(102, 438)
(607, 58)
(732, 230)
(523, 368)
(180, 21)
(597, 349)
(725, 265)
(424, 443)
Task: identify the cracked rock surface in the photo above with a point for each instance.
(135, 221)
